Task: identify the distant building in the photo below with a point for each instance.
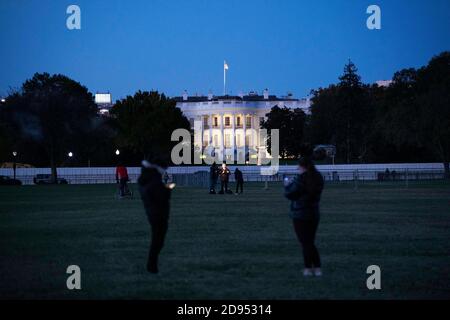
(384, 83)
(104, 103)
(230, 124)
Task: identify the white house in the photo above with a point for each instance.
(230, 124)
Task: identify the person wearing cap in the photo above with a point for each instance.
(305, 191)
(156, 199)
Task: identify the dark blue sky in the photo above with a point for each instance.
(170, 46)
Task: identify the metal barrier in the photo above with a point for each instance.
(199, 176)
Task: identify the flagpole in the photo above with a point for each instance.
(224, 78)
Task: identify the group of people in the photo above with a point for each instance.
(304, 192)
(223, 173)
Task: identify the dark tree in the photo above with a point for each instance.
(416, 109)
(342, 115)
(52, 111)
(145, 123)
(291, 123)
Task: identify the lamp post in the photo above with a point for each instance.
(70, 155)
(14, 163)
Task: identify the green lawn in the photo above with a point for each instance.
(225, 246)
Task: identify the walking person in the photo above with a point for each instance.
(305, 191)
(239, 181)
(155, 196)
(224, 175)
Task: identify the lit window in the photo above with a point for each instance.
(227, 141)
(247, 140)
(248, 122)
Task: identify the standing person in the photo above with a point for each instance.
(304, 191)
(166, 177)
(224, 175)
(155, 196)
(213, 175)
(122, 178)
(239, 180)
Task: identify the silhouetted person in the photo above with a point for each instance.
(224, 175)
(213, 175)
(387, 174)
(122, 178)
(239, 180)
(166, 177)
(156, 198)
(394, 175)
(304, 191)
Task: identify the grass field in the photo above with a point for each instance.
(224, 246)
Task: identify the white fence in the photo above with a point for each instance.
(362, 172)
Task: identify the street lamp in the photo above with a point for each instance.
(14, 163)
(117, 152)
(3, 100)
(70, 154)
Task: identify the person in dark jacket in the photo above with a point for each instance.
(224, 175)
(305, 191)
(239, 180)
(213, 175)
(155, 196)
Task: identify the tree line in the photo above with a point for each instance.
(53, 121)
(408, 121)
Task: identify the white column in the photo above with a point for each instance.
(252, 131)
(201, 139)
(244, 118)
(222, 138)
(210, 128)
(233, 135)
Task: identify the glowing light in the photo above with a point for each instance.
(70, 154)
(103, 98)
(14, 153)
(117, 152)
